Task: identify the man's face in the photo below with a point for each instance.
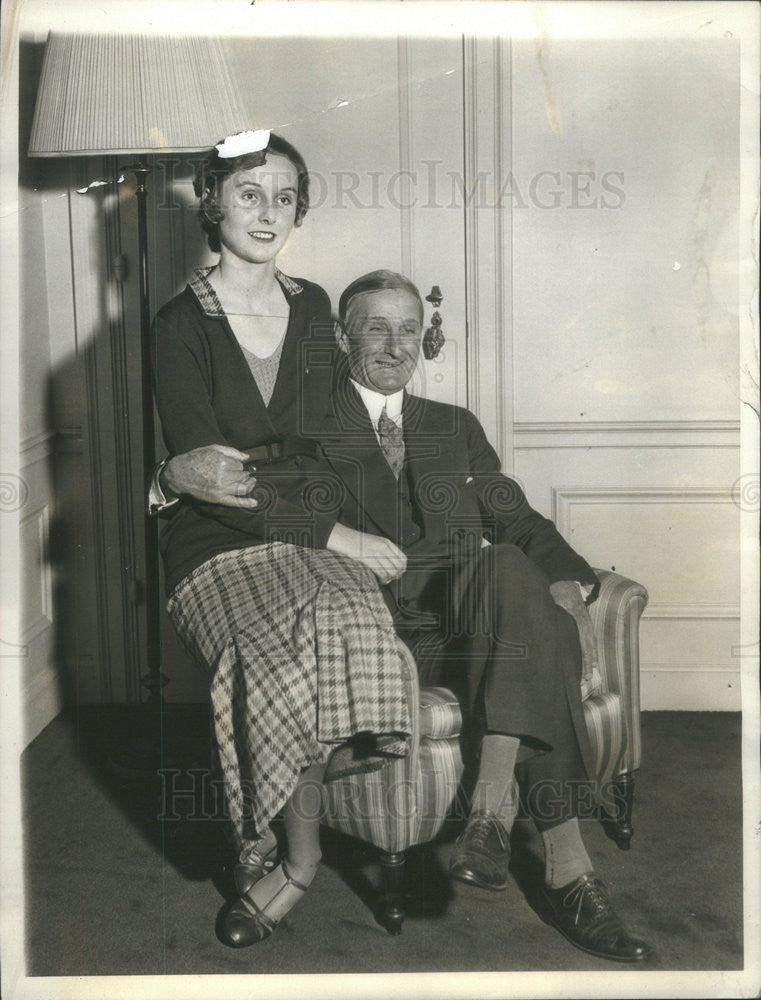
(382, 338)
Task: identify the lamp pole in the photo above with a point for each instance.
(154, 680)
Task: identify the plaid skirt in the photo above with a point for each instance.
(302, 655)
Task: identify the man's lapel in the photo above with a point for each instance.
(428, 437)
(351, 447)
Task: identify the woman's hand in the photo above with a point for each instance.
(214, 474)
(379, 554)
(567, 594)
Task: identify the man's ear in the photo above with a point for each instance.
(341, 338)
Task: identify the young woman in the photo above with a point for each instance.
(263, 594)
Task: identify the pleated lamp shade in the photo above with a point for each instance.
(119, 94)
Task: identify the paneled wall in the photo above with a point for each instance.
(656, 503)
(626, 335)
(47, 318)
(80, 523)
(39, 682)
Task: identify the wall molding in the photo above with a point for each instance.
(69, 441)
(698, 612)
(41, 702)
(502, 252)
(688, 667)
(44, 444)
(529, 435)
(43, 620)
(470, 172)
(407, 223)
(669, 685)
(564, 498)
(36, 448)
(487, 150)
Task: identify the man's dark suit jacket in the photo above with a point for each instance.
(450, 494)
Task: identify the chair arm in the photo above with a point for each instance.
(411, 685)
(405, 802)
(615, 617)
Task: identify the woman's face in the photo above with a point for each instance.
(259, 209)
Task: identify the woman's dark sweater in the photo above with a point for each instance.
(206, 394)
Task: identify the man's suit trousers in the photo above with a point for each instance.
(513, 658)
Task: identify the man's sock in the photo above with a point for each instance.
(565, 857)
(495, 789)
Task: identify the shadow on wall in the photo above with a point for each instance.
(90, 413)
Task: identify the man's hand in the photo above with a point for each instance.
(567, 594)
(214, 474)
(379, 554)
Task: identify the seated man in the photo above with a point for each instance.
(473, 573)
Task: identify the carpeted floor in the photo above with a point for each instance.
(110, 891)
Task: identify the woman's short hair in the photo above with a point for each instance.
(213, 169)
(377, 281)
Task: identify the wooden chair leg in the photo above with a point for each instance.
(619, 826)
(391, 904)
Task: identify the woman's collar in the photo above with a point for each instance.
(202, 288)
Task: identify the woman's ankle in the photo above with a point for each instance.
(259, 847)
(303, 867)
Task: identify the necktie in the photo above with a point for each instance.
(391, 442)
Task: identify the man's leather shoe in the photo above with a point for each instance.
(482, 853)
(582, 912)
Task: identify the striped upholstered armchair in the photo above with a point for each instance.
(407, 802)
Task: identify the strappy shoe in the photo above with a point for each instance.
(245, 923)
(257, 864)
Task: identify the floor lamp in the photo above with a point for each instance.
(137, 96)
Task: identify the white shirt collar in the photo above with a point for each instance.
(375, 401)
